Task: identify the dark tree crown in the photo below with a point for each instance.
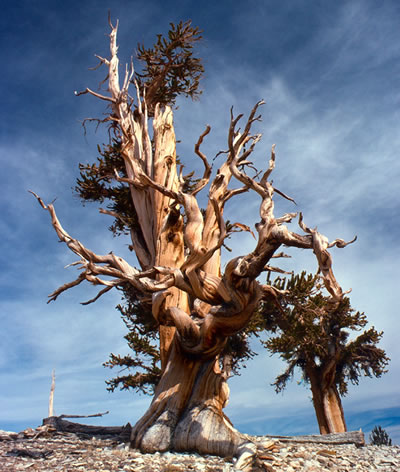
(169, 68)
(97, 184)
(379, 437)
(142, 341)
(310, 334)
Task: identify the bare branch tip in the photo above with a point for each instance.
(41, 203)
(110, 22)
(83, 92)
(33, 193)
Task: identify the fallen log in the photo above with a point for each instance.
(84, 416)
(351, 437)
(30, 453)
(120, 433)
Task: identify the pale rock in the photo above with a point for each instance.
(69, 453)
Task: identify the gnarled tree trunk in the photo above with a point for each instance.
(186, 413)
(196, 306)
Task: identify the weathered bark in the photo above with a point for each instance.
(351, 437)
(327, 405)
(51, 397)
(187, 409)
(60, 424)
(196, 306)
(168, 224)
(186, 412)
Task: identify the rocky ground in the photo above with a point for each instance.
(51, 451)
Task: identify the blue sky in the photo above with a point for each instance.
(329, 73)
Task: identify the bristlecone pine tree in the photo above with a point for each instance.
(312, 333)
(192, 307)
(379, 437)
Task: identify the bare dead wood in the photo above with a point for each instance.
(96, 415)
(61, 425)
(207, 169)
(350, 437)
(51, 398)
(30, 453)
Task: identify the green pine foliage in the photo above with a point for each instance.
(97, 184)
(311, 334)
(379, 437)
(169, 68)
(143, 365)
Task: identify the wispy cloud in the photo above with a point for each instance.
(328, 76)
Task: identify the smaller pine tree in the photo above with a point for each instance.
(314, 335)
(379, 437)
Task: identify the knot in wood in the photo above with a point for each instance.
(219, 178)
(171, 236)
